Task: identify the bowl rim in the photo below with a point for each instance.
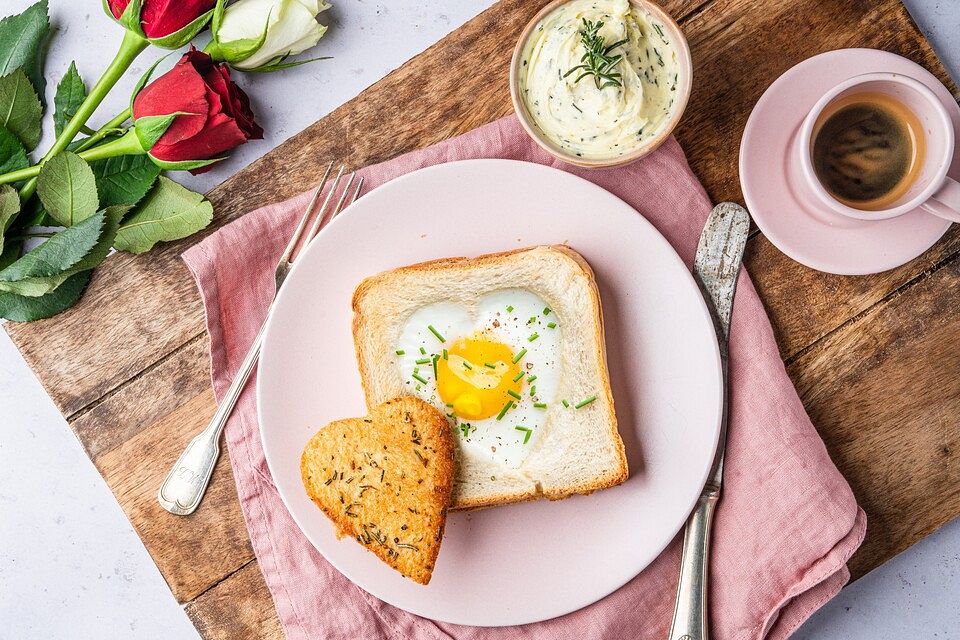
(686, 83)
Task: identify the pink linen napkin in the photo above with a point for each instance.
(785, 527)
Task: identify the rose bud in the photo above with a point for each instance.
(260, 34)
(193, 113)
(165, 23)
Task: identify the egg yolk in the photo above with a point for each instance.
(477, 376)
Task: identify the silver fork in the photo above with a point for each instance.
(187, 481)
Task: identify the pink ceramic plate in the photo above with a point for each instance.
(525, 562)
(786, 210)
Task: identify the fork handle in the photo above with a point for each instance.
(690, 615)
(187, 481)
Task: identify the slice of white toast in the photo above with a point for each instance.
(580, 449)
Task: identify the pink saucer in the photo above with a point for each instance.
(782, 204)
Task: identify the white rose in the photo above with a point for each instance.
(292, 28)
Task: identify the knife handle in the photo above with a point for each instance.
(690, 615)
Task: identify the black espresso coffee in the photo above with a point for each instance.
(866, 149)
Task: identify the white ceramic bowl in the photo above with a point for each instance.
(683, 94)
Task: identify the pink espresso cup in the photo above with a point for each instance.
(932, 190)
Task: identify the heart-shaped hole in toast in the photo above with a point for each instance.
(493, 366)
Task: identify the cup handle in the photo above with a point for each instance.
(945, 203)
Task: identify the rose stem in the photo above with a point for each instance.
(127, 144)
(131, 46)
(104, 131)
(101, 133)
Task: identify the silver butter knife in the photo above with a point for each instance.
(715, 268)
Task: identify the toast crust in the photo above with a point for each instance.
(362, 324)
(385, 480)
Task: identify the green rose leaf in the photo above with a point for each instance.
(71, 93)
(37, 273)
(9, 205)
(34, 215)
(26, 309)
(21, 44)
(68, 189)
(9, 208)
(12, 154)
(169, 212)
(10, 253)
(60, 252)
(20, 108)
(124, 179)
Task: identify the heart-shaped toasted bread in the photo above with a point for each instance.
(385, 480)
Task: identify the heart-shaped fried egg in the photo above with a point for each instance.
(493, 369)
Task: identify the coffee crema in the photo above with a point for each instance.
(866, 150)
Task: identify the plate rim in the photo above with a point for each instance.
(688, 280)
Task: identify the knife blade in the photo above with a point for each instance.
(718, 260)
(716, 267)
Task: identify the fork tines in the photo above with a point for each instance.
(325, 211)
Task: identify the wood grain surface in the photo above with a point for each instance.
(874, 358)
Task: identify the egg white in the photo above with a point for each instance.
(490, 439)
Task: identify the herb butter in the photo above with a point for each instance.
(578, 117)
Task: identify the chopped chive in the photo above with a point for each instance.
(532, 320)
(503, 411)
(546, 311)
(465, 429)
(539, 405)
(533, 390)
(489, 365)
(566, 404)
(423, 361)
(511, 392)
(419, 386)
(519, 375)
(533, 336)
(450, 404)
(552, 325)
(446, 356)
(467, 365)
(436, 333)
(509, 309)
(435, 358)
(420, 378)
(400, 352)
(532, 379)
(526, 432)
(519, 355)
(423, 351)
(584, 403)
(416, 370)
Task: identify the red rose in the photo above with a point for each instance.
(217, 115)
(160, 18)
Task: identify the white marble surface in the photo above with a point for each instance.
(71, 566)
(70, 563)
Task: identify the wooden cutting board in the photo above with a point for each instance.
(875, 359)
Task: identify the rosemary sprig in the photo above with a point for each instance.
(597, 61)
